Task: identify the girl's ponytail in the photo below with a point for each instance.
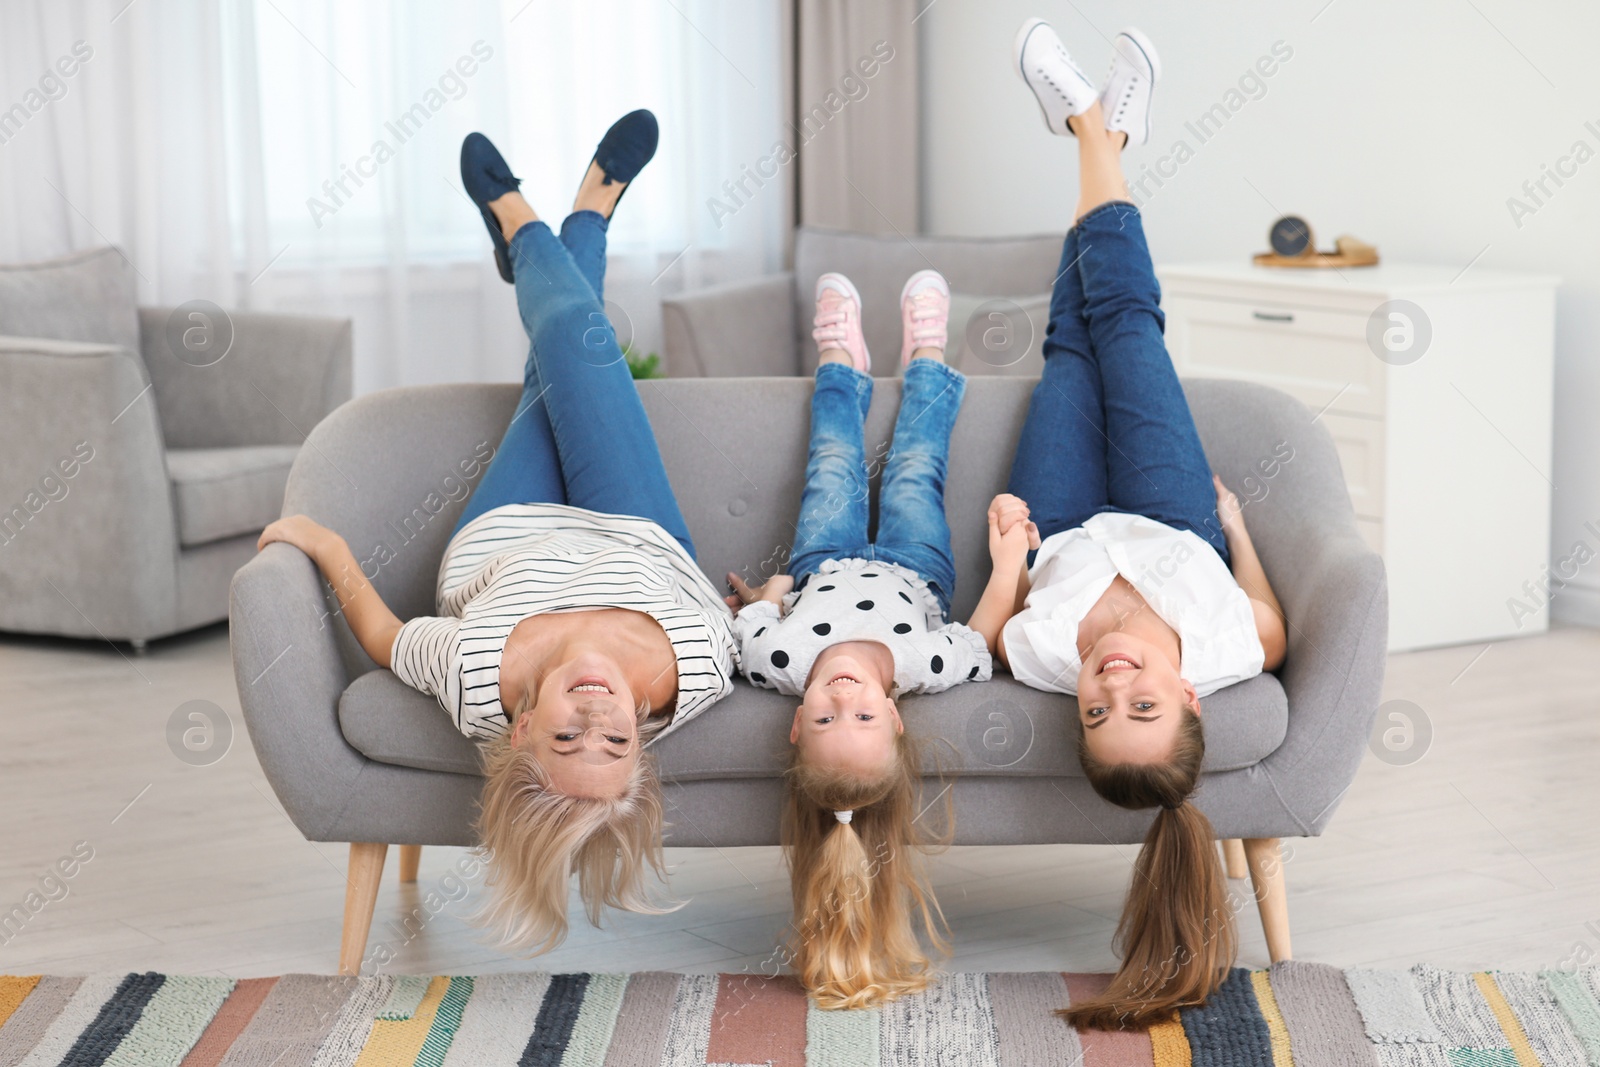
(853, 846)
(1176, 936)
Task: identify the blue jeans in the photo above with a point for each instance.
(912, 530)
(580, 435)
(1108, 427)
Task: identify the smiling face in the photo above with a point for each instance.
(582, 724)
(847, 720)
(1130, 699)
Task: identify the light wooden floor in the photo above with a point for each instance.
(1484, 853)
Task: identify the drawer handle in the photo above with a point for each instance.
(1273, 316)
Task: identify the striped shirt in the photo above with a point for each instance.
(521, 560)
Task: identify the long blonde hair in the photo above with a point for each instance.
(534, 837)
(1176, 935)
(859, 888)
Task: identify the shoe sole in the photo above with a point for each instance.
(905, 291)
(1148, 50)
(849, 287)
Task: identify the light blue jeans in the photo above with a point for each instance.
(912, 529)
(580, 435)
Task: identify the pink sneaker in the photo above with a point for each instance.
(838, 320)
(924, 313)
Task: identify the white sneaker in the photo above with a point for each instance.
(1135, 68)
(1061, 88)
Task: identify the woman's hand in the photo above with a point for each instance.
(1252, 578)
(1008, 547)
(1011, 534)
(308, 536)
(1229, 510)
(773, 590)
(373, 624)
(1008, 510)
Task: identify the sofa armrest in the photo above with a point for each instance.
(273, 379)
(1338, 615)
(88, 540)
(742, 329)
(290, 675)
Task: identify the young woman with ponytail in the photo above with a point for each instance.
(1146, 593)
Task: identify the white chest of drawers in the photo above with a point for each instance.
(1446, 453)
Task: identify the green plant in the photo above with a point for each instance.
(642, 367)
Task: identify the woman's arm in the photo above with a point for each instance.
(1252, 578)
(370, 619)
(1011, 535)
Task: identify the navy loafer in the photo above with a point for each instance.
(486, 176)
(628, 145)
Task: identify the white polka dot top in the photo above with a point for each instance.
(859, 600)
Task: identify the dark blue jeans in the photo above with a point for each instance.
(1108, 427)
(912, 530)
(580, 435)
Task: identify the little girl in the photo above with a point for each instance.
(855, 623)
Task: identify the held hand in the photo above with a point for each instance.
(297, 530)
(1008, 549)
(1229, 510)
(1008, 510)
(772, 590)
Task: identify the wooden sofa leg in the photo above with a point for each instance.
(1265, 860)
(360, 897)
(411, 859)
(1233, 857)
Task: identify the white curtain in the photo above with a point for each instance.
(301, 155)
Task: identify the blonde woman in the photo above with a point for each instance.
(574, 623)
(1146, 594)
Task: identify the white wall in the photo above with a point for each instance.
(1407, 124)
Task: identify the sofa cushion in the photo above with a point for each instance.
(386, 720)
(999, 728)
(87, 296)
(224, 492)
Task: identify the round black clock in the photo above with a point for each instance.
(1290, 236)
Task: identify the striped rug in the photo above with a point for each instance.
(1305, 1014)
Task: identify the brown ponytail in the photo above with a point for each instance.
(859, 887)
(1176, 937)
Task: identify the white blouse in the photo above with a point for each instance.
(1180, 576)
(859, 600)
(521, 560)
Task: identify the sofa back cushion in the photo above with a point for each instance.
(879, 266)
(391, 470)
(86, 296)
(264, 378)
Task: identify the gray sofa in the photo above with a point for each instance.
(762, 328)
(135, 482)
(356, 756)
